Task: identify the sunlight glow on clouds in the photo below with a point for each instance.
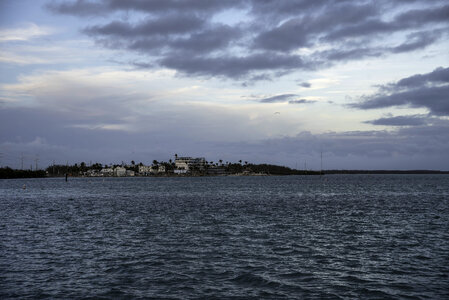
(24, 33)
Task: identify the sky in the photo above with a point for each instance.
(362, 84)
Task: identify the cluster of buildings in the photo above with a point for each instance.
(185, 165)
(118, 171)
(181, 165)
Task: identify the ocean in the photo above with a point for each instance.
(273, 237)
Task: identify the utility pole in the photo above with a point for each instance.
(321, 163)
(36, 161)
(21, 158)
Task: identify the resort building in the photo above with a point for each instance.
(187, 164)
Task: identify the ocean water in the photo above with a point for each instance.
(335, 237)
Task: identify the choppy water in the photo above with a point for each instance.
(339, 237)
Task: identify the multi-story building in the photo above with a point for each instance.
(188, 164)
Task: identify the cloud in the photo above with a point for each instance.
(279, 98)
(407, 20)
(232, 66)
(301, 101)
(438, 76)
(414, 120)
(305, 84)
(101, 92)
(430, 91)
(417, 40)
(266, 37)
(91, 8)
(302, 31)
(174, 24)
(216, 133)
(24, 33)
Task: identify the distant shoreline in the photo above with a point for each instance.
(7, 173)
(329, 172)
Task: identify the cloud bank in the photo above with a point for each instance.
(430, 91)
(263, 38)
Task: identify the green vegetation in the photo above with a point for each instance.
(265, 169)
(208, 169)
(8, 173)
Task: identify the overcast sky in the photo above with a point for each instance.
(365, 83)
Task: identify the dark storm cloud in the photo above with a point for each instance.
(347, 54)
(89, 8)
(438, 76)
(232, 66)
(77, 8)
(423, 16)
(429, 91)
(278, 98)
(173, 24)
(302, 31)
(400, 121)
(212, 38)
(435, 99)
(417, 40)
(409, 20)
(187, 37)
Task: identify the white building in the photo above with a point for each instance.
(180, 171)
(189, 163)
(119, 171)
(107, 172)
(144, 170)
(147, 170)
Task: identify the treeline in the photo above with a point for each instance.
(385, 172)
(61, 170)
(271, 169)
(8, 173)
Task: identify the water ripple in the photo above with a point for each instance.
(346, 237)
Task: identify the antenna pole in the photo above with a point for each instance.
(36, 161)
(321, 163)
